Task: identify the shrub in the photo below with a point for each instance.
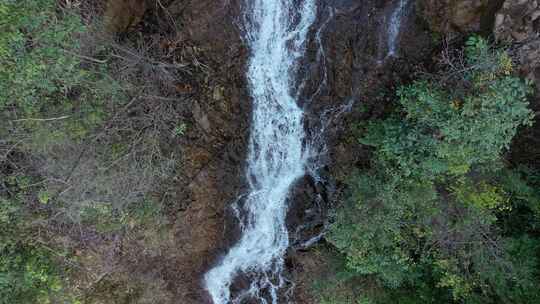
(28, 272)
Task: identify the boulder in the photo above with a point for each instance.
(454, 17)
(529, 60)
(122, 15)
(518, 23)
(449, 16)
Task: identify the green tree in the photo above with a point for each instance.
(427, 215)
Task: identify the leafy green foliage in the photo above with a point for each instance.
(374, 223)
(27, 275)
(43, 78)
(428, 215)
(37, 70)
(446, 131)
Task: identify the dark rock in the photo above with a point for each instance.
(451, 17)
(518, 21)
(212, 173)
(122, 15)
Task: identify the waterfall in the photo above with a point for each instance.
(394, 27)
(276, 32)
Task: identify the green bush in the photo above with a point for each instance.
(27, 275)
(425, 220)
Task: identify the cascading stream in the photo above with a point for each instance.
(276, 32)
(394, 27)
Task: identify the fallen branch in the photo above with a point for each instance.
(86, 57)
(41, 119)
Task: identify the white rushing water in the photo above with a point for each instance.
(276, 32)
(394, 27)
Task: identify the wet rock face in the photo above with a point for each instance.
(347, 68)
(349, 63)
